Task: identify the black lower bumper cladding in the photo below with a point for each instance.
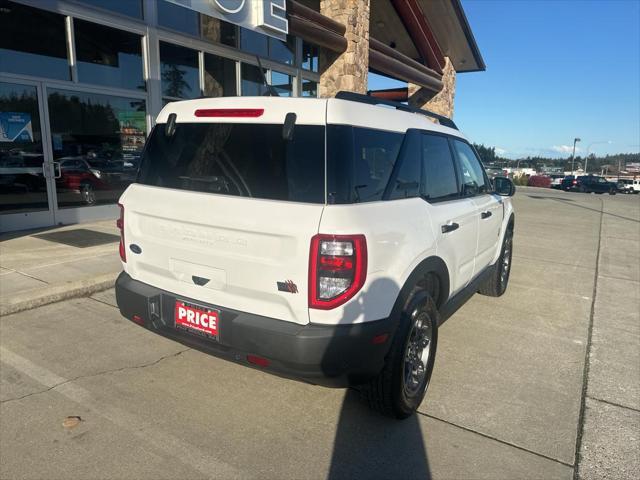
(333, 356)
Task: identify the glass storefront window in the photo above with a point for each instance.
(309, 88)
(131, 8)
(252, 82)
(218, 31)
(283, 52)
(309, 57)
(178, 18)
(114, 60)
(179, 71)
(254, 42)
(97, 143)
(283, 83)
(23, 187)
(219, 76)
(32, 42)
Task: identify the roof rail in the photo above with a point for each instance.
(358, 97)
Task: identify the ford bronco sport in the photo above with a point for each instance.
(319, 239)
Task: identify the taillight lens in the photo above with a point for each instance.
(337, 269)
(120, 225)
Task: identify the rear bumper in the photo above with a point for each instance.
(333, 356)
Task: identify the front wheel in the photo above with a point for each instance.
(88, 194)
(400, 387)
(496, 284)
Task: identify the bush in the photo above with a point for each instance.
(539, 181)
(521, 180)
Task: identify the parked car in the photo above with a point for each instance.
(556, 181)
(596, 184)
(627, 185)
(78, 181)
(568, 183)
(542, 181)
(246, 238)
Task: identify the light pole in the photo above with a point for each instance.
(586, 161)
(573, 155)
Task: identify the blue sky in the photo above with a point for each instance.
(555, 70)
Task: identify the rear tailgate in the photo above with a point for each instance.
(241, 246)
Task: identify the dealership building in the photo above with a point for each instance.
(82, 81)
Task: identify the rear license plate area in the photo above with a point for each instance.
(197, 319)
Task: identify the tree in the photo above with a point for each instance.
(176, 85)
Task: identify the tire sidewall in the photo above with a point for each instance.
(419, 304)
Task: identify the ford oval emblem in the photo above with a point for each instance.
(135, 248)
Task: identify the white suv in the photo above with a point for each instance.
(319, 239)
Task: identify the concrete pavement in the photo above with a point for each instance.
(514, 379)
(48, 265)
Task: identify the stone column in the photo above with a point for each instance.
(349, 70)
(441, 103)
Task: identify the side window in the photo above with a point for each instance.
(407, 180)
(440, 181)
(374, 157)
(471, 173)
(359, 163)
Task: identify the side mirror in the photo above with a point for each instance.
(504, 187)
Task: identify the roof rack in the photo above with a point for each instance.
(358, 97)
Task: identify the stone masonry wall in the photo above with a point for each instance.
(348, 71)
(442, 102)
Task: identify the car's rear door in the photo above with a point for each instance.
(454, 220)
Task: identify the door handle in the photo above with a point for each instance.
(486, 214)
(59, 174)
(450, 227)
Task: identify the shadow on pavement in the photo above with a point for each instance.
(369, 445)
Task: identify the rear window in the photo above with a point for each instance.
(246, 160)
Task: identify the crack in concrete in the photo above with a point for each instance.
(97, 374)
(613, 404)
(587, 353)
(495, 439)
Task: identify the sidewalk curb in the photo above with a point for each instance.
(57, 293)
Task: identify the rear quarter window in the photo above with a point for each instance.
(359, 163)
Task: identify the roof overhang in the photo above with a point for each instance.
(453, 33)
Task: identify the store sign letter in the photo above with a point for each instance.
(265, 16)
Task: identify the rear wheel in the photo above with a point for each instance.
(401, 386)
(496, 284)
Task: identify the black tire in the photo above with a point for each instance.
(582, 189)
(391, 393)
(612, 192)
(496, 284)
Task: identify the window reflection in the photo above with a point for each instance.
(32, 42)
(283, 52)
(282, 83)
(178, 18)
(131, 8)
(179, 70)
(97, 140)
(309, 88)
(23, 187)
(218, 31)
(252, 81)
(254, 42)
(309, 57)
(219, 76)
(107, 56)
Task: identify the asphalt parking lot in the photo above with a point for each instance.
(530, 385)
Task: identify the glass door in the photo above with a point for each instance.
(26, 171)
